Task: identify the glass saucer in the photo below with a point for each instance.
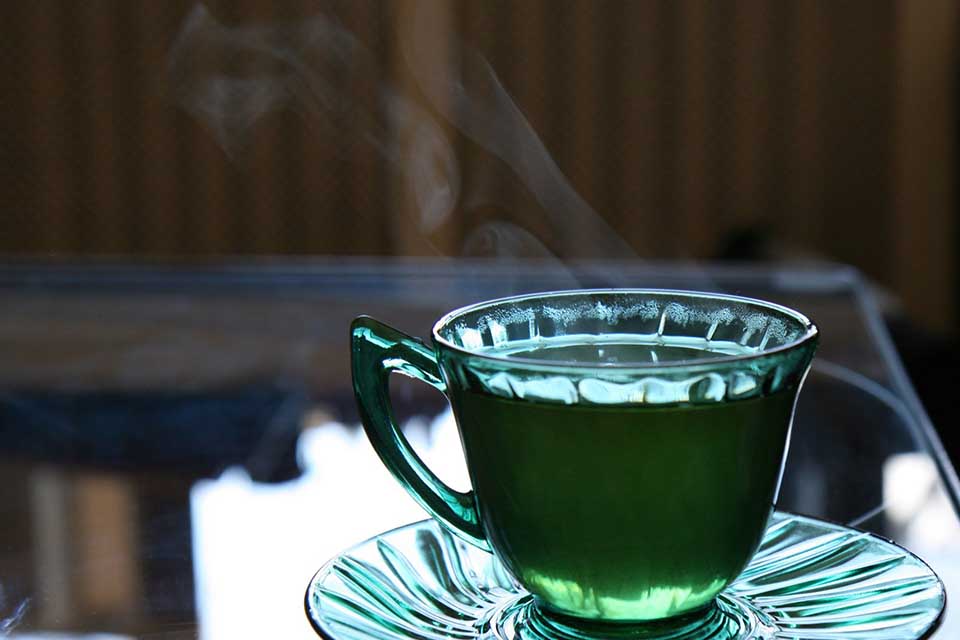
(810, 580)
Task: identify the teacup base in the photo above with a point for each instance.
(727, 618)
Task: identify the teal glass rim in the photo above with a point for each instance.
(808, 332)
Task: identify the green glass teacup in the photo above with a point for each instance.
(625, 447)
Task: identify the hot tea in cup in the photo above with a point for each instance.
(625, 447)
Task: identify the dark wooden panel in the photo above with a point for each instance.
(681, 123)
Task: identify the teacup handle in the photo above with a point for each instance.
(377, 351)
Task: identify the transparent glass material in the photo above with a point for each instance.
(625, 447)
(182, 450)
(810, 580)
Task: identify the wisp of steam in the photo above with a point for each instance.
(229, 77)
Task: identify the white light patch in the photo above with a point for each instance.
(256, 545)
(915, 500)
(470, 338)
(498, 333)
(924, 521)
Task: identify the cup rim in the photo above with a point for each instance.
(810, 333)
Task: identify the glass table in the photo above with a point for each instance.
(179, 449)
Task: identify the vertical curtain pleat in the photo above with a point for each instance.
(98, 80)
(752, 118)
(47, 96)
(632, 112)
(805, 176)
(681, 122)
(692, 176)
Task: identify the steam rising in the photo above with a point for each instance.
(229, 78)
(486, 113)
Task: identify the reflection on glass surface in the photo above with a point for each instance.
(87, 551)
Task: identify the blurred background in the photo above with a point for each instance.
(800, 130)
(169, 131)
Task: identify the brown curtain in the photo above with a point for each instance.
(686, 124)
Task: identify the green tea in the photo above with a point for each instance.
(628, 512)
